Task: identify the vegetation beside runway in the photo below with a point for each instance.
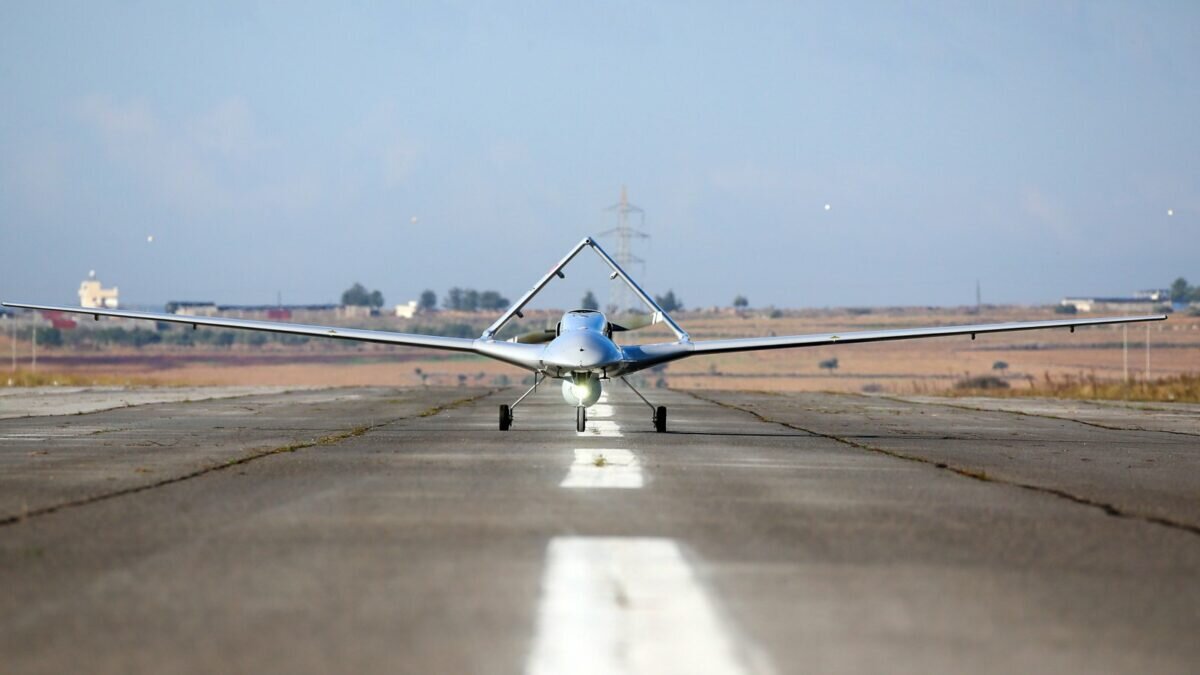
(1089, 363)
(1171, 389)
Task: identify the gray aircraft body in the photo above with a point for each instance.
(580, 351)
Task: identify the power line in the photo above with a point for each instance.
(619, 294)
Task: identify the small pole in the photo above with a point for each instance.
(13, 320)
(1125, 352)
(1147, 353)
(34, 369)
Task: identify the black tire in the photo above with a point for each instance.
(505, 418)
(581, 419)
(660, 419)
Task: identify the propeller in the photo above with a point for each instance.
(631, 322)
(535, 337)
(544, 335)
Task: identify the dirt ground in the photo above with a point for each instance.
(915, 366)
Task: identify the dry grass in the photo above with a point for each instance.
(1175, 388)
(25, 378)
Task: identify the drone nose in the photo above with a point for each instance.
(583, 352)
(589, 358)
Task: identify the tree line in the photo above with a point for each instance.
(470, 300)
(1182, 292)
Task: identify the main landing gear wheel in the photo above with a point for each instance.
(660, 419)
(505, 417)
(580, 418)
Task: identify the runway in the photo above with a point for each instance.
(385, 530)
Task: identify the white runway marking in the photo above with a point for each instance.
(602, 428)
(619, 469)
(600, 411)
(626, 605)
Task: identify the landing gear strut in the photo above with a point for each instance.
(581, 419)
(506, 411)
(660, 413)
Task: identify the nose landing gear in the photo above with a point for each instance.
(581, 419)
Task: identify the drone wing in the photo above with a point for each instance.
(824, 339)
(359, 334)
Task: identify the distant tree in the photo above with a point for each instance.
(470, 300)
(492, 300)
(428, 301)
(740, 302)
(589, 301)
(669, 302)
(376, 299)
(357, 295)
(1000, 365)
(829, 364)
(50, 337)
(1065, 309)
(454, 299)
(1181, 292)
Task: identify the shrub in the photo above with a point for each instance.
(981, 382)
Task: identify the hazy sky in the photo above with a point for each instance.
(286, 147)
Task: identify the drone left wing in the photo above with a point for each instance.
(783, 342)
(359, 334)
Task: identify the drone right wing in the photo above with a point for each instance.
(825, 339)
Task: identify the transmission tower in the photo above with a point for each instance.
(619, 294)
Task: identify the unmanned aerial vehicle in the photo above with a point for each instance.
(580, 350)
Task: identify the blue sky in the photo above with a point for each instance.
(285, 147)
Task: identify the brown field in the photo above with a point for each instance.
(925, 366)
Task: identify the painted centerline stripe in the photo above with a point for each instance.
(600, 411)
(626, 605)
(603, 428)
(604, 468)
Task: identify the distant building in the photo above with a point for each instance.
(356, 311)
(192, 308)
(94, 296)
(1141, 302)
(57, 320)
(312, 313)
(408, 310)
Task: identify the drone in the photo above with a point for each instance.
(580, 350)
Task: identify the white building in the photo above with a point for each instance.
(1134, 305)
(93, 295)
(408, 310)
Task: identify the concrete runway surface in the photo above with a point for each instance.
(383, 530)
